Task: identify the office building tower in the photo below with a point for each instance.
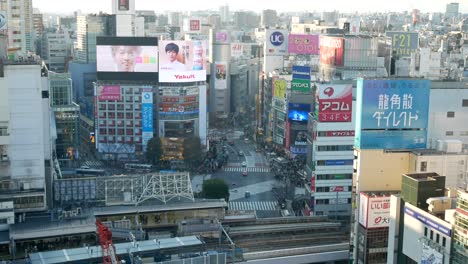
(26, 138)
(55, 50)
(452, 11)
(224, 13)
(268, 18)
(20, 26)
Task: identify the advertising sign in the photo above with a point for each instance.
(195, 25)
(335, 103)
(396, 109)
(237, 49)
(124, 5)
(109, 93)
(222, 36)
(338, 162)
(114, 58)
(279, 87)
(276, 42)
(303, 44)
(301, 72)
(220, 77)
(287, 134)
(298, 112)
(298, 85)
(340, 133)
(147, 117)
(337, 188)
(3, 20)
(403, 43)
(182, 61)
(431, 256)
(427, 221)
(376, 211)
(331, 50)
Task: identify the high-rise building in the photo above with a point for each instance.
(268, 18)
(175, 19)
(124, 11)
(20, 26)
(66, 113)
(38, 24)
(56, 51)
(460, 237)
(452, 11)
(88, 28)
(26, 139)
(224, 13)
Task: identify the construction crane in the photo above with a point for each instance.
(109, 255)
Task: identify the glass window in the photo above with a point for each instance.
(451, 114)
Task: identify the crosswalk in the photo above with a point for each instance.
(258, 206)
(249, 169)
(93, 164)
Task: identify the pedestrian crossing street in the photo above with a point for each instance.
(93, 164)
(249, 169)
(252, 205)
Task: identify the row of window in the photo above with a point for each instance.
(334, 176)
(335, 148)
(437, 237)
(462, 133)
(333, 189)
(331, 201)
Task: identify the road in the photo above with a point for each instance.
(258, 182)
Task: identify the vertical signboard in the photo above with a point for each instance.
(147, 117)
(279, 87)
(403, 43)
(220, 76)
(182, 61)
(374, 211)
(276, 42)
(392, 114)
(331, 50)
(303, 44)
(335, 103)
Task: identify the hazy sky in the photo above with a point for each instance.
(87, 6)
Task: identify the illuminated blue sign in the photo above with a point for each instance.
(392, 110)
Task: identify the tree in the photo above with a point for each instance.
(215, 189)
(154, 151)
(193, 151)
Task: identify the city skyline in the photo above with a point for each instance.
(89, 6)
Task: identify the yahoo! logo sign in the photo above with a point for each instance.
(276, 38)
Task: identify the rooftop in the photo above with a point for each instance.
(426, 176)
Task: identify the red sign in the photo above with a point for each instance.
(341, 133)
(109, 93)
(194, 24)
(312, 183)
(288, 134)
(335, 103)
(331, 50)
(336, 189)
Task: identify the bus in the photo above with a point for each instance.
(139, 167)
(89, 171)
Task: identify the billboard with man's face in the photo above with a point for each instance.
(182, 61)
(126, 58)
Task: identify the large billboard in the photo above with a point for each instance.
(182, 61)
(335, 102)
(374, 211)
(237, 49)
(403, 43)
(430, 255)
(192, 25)
(392, 109)
(147, 117)
(108, 93)
(179, 100)
(303, 44)
(276, 42)
(331, 50)
(220, 76)
(126, 58)
(298, 112)
(279, 87)
(222, 36)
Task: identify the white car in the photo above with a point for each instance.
(244, 164)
